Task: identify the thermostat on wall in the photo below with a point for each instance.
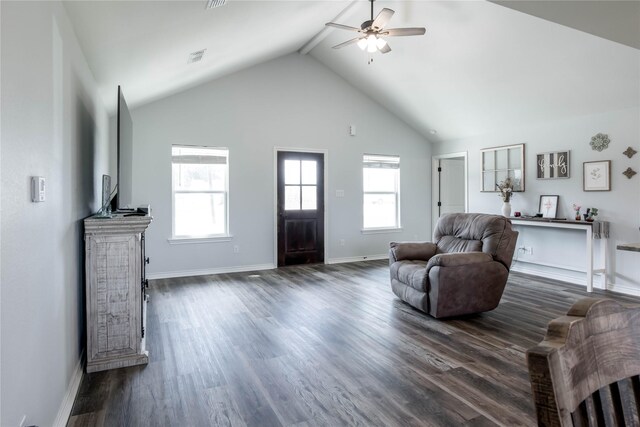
(37, 189)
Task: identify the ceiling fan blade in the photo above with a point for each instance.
(383, 18)
(396, 32)
(342, 27)
(347, 43)
(385, 48)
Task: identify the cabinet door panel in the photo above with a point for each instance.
(114, 296)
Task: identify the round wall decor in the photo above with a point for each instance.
(600, 142)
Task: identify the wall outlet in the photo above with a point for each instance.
(342, 242)
(236, 249)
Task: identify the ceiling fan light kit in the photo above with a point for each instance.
(372, 32)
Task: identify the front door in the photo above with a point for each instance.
(300, 208)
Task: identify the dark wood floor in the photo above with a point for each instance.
(324, 345)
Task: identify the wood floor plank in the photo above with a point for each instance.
(324, 345)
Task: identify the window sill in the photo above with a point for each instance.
(381, 230)
(189, 240)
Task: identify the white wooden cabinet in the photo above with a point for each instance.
(115, 291)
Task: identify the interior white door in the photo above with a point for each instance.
(452, 186)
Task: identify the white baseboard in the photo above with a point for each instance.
(356, 259)
(208, 271)
(245, 268)
(624, 289)
(70, 396)
(570, 276)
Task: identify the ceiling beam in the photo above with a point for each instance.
(325, 31)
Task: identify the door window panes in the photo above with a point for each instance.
(309, 172)
(301, 189)
(292, 197)
(292, 172)
(309, 197)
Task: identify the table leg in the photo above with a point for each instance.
(589, 259)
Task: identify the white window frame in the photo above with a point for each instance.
(223, 237)
(389, 159)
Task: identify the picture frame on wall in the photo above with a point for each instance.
(553, 165)
(596, 176)
(548, 206)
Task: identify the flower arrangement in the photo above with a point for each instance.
(506, 189)
(577, 208)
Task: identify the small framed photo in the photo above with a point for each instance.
(596, 176)
(548, 206)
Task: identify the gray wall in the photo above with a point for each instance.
(53, 125)
(560, 254)
(292, 102)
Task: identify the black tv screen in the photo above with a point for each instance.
(125, 154)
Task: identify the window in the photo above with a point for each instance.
(381, 188)
(200, 187)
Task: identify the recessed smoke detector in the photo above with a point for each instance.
(214, 3)
(196, 56)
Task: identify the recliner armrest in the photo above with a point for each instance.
(411, 251)
(457, 259)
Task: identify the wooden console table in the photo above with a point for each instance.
(574, 225)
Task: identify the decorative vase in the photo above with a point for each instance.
(506, 209)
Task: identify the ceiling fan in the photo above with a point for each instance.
(373, 31)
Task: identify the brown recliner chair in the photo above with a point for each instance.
(464, 271)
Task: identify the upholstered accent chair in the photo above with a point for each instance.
(463, 271)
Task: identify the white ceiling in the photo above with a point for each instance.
(144, 45)
(479, 68)
(482, 67)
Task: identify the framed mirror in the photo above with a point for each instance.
(498, 163)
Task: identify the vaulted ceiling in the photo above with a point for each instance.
(480, 67)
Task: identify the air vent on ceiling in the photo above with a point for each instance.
(214, 3)
(196, 56)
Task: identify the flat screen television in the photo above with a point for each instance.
(124, 195)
